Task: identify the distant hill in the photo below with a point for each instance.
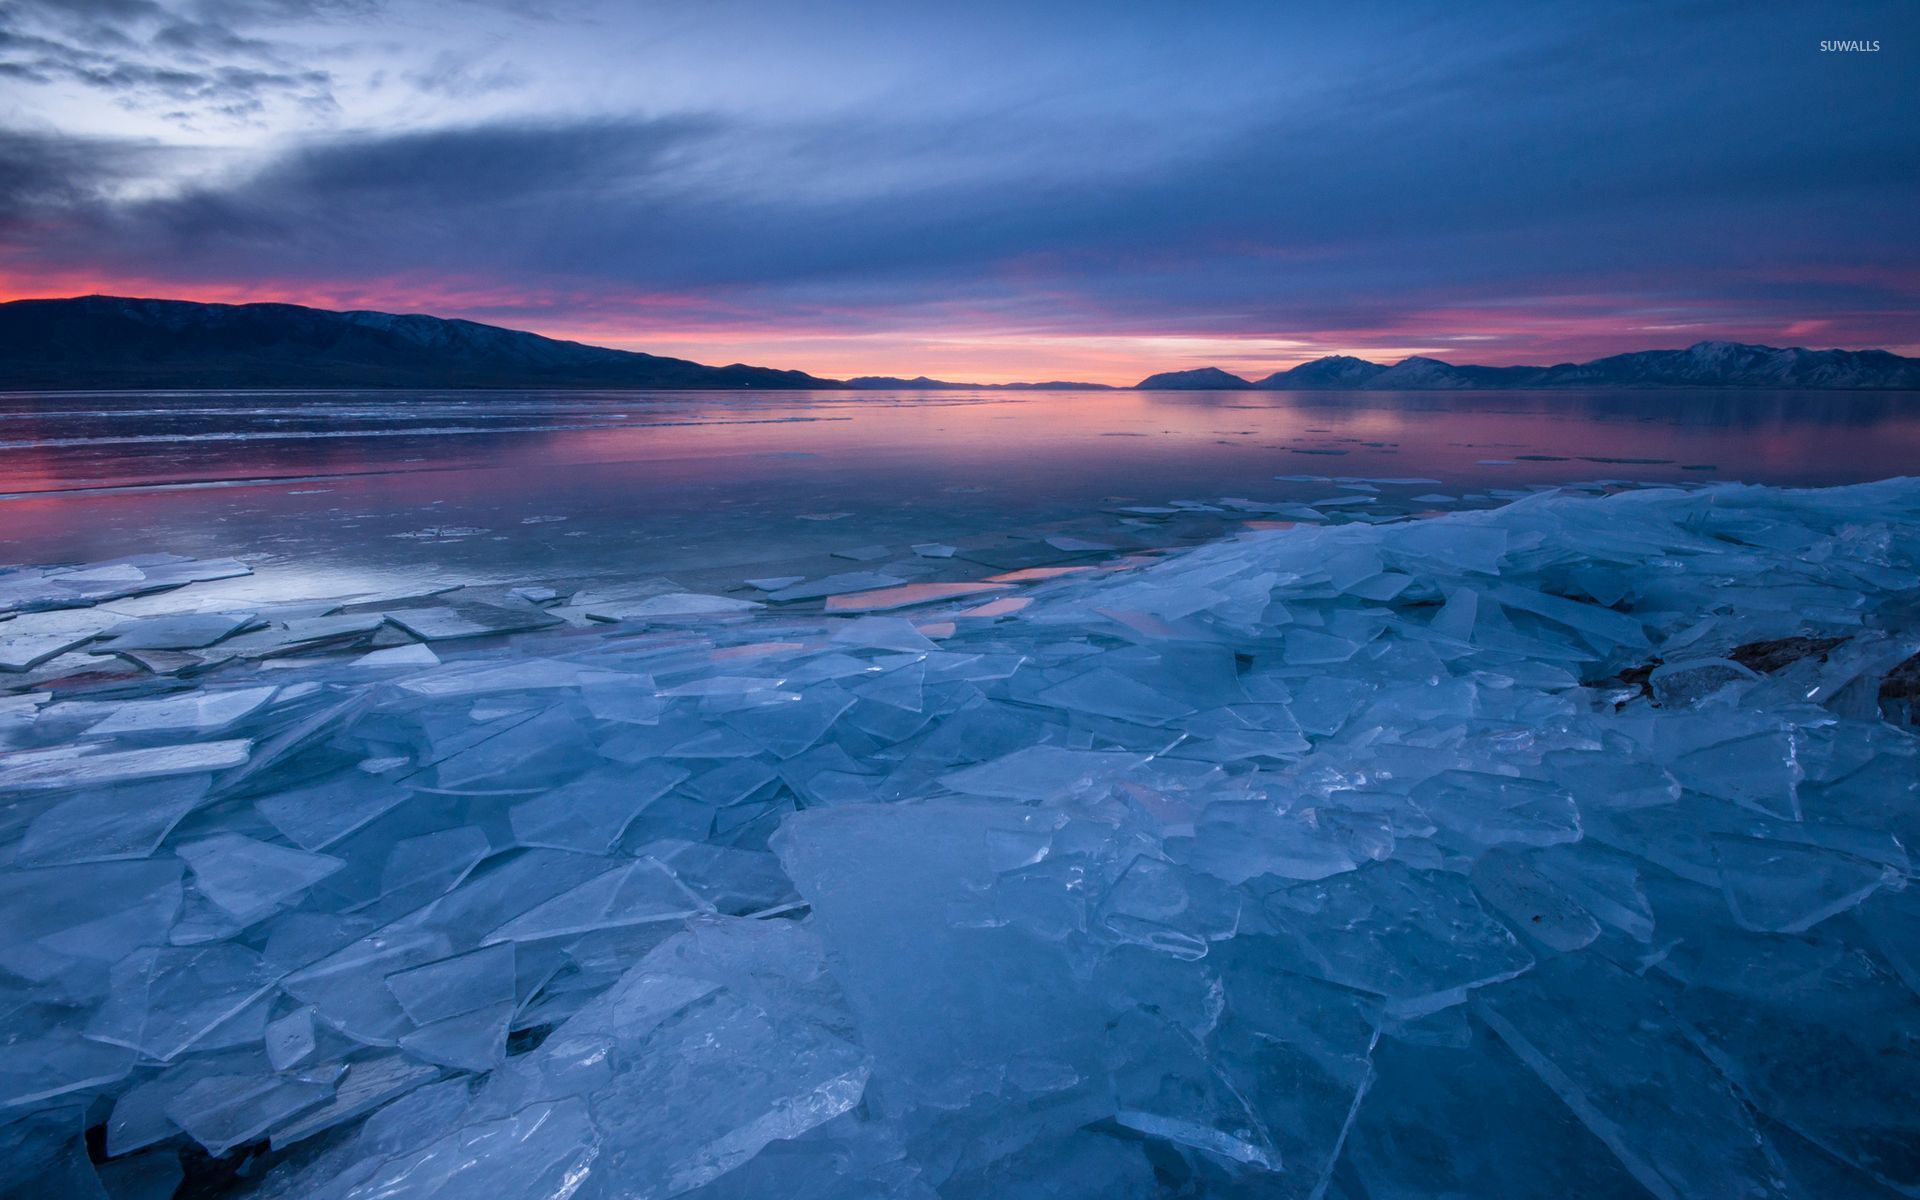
(1200, 379)
(1335, 372)
(1705, 364)
(920, 383)
(113, 342)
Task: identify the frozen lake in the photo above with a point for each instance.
(959, 797)
(569, 486)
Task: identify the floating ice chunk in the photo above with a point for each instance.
(1308, 647)
(347, 988)
(907, 595)
(1237, 842)
(187, 631)
(672, 606)
(1596, 1036)
(895, 889)
(590, 813)
(1168, 909)
(317, 816)
(226, 1110)
(470, 620)
(472, 1041)
(1491, 809)
(1418, 938)
(419, 654)
(419, 869)
(933, 550)
(1601, 626)
(78, 766)
(452, 986)
(1108, 693)
(789, 727)
(58, 1063)
(834, 585)
(864, 553)
(1686, 683)
(101, 824)
(639, 893)
(545, 1149)
(60, 918)
(1780, 887)
(773, 583)
(290, 1040)
(1039, 772)
(1532, 903)
(367, 1083)
(25, 651)
(721, 1041)
(200, 712)
(1773, 1013)
(881, 633)
(1515, 1138)
(166, 999)
(1072, 545)
(249, 878)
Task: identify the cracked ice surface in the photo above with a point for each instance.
(1559, 849)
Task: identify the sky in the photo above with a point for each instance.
(985, 191)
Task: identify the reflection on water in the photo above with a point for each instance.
(577, 484)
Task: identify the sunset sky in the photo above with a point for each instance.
(985, 190)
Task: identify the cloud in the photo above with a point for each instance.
(145, 56)
(1527, 182)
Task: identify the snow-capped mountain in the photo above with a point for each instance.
(1705, 364)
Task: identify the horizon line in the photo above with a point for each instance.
(1267, 367)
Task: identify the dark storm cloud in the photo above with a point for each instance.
(61, 179)
(144, 55)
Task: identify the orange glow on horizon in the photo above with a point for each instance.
(973, 347)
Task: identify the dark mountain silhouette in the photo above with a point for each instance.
(113, 342)
(109, 342)
(1200, 379)
(1705, 364)
(920, 383)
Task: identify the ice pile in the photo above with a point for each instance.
(1554, 850)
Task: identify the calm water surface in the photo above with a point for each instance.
(575, 486)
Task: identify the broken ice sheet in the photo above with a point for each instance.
(1436, 812)
(906, 596)
(317, 816)
(1597, 1037)
(1041, 771)
(672, 606)
(1420, 939)
(437, 990)
(118, 822)
(722, 1040)
(224, 1111)
(590, 813)
(470, 1041)
(85, 765)
(189, 631)
(249, 878)
(205, 711)
(66, 925)
(165, 999)
(469, 620)
(638, 893)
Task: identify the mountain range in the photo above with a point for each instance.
(111, 342)
(1703, 364)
